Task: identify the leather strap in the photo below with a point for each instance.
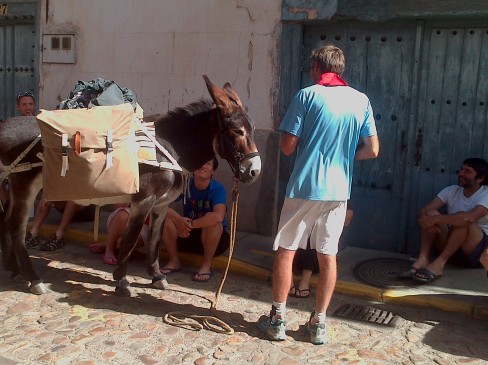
(77, 141)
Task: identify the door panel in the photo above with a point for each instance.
(18, 56)
(452, 109)
(379, 62)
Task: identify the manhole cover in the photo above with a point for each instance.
(384, 272)
(367, 314)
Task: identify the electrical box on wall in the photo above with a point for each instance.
(58, 48)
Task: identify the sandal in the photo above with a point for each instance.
(297, 293)
(31, 241)
(198, 277)
(53, 244)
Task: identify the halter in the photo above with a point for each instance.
(227, 145)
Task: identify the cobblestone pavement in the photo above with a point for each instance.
(80, 321)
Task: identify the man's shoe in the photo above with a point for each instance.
(318, 332)
(53, 244)
(275, 331)
(31, 241)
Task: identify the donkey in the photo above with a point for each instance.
(193, 135)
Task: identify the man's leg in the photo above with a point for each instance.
(464, 238)
(210, 240)
(170, 237)
(274, 324)
(282, 274)
(42, 211)
(116, 228)
(430, 237)
(326, 283)
(68, 213)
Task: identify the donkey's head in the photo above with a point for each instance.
(235, 140)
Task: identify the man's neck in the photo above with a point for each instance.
(201, 184)
(469, 191)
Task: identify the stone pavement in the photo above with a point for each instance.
(80, 321)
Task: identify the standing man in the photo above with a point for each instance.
(201, 228)
(324, 125)
(462, 232)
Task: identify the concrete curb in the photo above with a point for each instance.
(346, 287)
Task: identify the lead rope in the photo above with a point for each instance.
(191, 321)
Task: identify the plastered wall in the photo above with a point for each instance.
(160, 49)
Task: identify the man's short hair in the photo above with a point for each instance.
(215, 163)
(329, 58)
(480, 166)
(23, 94)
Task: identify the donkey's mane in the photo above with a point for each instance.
(183, 113)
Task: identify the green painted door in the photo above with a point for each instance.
(18, 54)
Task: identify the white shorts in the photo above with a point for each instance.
(321, 221)
(145, 228)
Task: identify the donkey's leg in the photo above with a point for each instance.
(24, 188)
(138, 213)
(8, 258)
(158, 279)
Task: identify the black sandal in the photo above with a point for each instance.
(31, 241)
(53, 244)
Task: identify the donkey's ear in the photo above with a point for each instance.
(219, 96)
(232, 94)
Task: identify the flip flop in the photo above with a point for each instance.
(425, 276)
(408, 273)
(109, 260)
(97, 247)
(169, 271)
(197, 277)
(304, 293)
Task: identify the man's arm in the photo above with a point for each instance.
(182, 224)
(434, 204)
(288, 143)
(459, 219)
(369, 148)
(210, 218)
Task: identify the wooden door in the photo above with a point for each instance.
(18, 54)
(452, 109)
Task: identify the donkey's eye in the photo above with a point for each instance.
(239, 132)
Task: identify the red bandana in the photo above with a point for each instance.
(331, 79)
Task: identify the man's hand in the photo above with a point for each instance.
(428, 221)
(183, 227)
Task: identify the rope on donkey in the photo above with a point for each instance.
(192, 321)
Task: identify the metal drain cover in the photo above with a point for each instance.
(367, 314)
(383, 272)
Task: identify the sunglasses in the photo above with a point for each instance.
(25, 93)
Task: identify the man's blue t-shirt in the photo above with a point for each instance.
(201, 202)
(328, 122)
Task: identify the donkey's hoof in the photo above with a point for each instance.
(160, 284)
(123, 288)
(19, 279)
(123, 292)
(38, 288)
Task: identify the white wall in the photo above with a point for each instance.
(160, 49)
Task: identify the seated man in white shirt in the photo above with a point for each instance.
(462, 232)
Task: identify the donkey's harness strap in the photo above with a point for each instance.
(172, 164)
(16, 167)
(64, 154)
